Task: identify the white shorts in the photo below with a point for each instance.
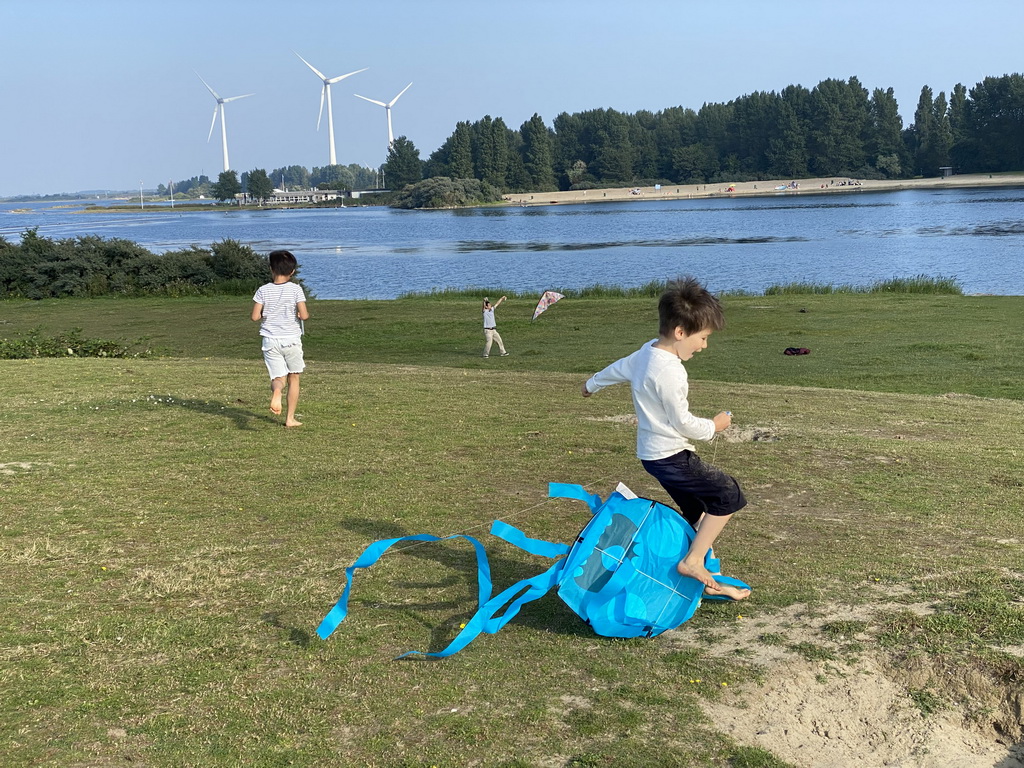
(283, 355)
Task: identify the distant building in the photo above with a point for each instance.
(280, 197)
(946, 171)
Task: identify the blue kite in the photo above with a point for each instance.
(619, 575)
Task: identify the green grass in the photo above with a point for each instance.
(918, 284)
(913, 343)
(167, 549)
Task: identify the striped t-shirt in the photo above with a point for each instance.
(280, 316)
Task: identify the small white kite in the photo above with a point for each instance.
(549, 298)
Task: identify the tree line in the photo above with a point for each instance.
(259, 184)
(837, 128)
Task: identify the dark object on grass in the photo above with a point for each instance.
(803, 310)
(797, 351)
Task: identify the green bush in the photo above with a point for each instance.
(67, 344)
(443, 192)
(89, 266)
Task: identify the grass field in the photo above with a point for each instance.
(168, 549)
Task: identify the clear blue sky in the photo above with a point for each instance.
(101, 94)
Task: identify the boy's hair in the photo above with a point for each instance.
(282, 263)
(688, 305)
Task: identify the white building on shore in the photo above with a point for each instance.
(281, 197)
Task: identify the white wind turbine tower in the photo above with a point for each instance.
(223, 126)
(387, 108)
(326, 91)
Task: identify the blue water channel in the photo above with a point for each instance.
(972, 235)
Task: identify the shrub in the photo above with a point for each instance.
(443, 192)
(67, 344)
(40, 268)
(918, 284)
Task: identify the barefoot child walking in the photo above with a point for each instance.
(281, 306)
(706, 496)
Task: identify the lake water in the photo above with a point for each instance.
(973, 235)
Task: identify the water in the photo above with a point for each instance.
(972, 235)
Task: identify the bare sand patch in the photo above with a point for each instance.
(858, 708)
(17, 467)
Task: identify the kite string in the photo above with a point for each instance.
(511, 516)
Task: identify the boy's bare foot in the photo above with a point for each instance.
(293, 423)
(727, 590)
(275, 402)
(698, 572)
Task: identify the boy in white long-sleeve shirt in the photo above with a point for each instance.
(706, 496)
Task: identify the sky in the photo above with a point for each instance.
(104, 94)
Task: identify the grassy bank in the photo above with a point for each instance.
(924, 344)
(168, 549)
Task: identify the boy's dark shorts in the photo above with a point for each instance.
(696, 487)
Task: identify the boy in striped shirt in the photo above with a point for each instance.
(281, 306)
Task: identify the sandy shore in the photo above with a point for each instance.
(830, 185)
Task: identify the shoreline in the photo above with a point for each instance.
(839, 185)
(768, 188)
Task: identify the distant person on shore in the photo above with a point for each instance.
(706, 496)
(281, 306)
(491, 334)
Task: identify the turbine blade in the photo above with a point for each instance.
(333, 80)
(212, 125)
(207, 86)
(236, 98)
(372, 101)
(392, 102)
(315, 70)
(323, 92)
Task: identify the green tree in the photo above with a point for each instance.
(942, 139)
(694, 164)
(995, 124)
(538, 154)
(753, 119)
(258, 186)
(291, 177)
(885, 145)
(839, 119)
(674, 128)
(642, 126)
(227, 186)
(921, 134)
(711, 129)
(613, 151)
(577, 173)
(403, 165)
(787, 153)
(958, 112)
(454, 158)
(496, 173)
(931, 135)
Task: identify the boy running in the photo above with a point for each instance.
(281, 305)
(706, 496)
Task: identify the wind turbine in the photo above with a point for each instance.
(223, 126)
(328, 82)
(387, 108)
